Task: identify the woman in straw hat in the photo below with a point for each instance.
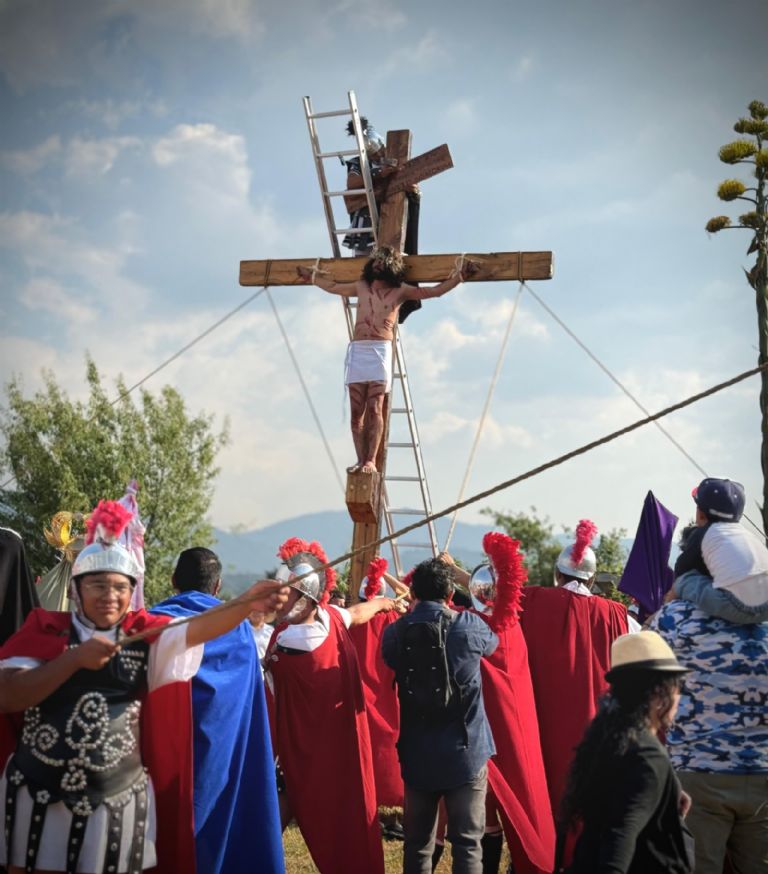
(622, 791)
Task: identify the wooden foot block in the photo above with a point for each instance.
(363, 496)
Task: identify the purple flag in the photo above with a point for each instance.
(647, 576)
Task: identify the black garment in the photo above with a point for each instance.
(17, 590)
(691, 558)
(634, 826)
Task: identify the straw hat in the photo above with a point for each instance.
(642, 651)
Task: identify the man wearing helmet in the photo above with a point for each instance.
(380, 293)
(76, 794)
(320, 727)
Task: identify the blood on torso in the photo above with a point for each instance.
(377, 308)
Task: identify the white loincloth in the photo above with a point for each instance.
(369, 361)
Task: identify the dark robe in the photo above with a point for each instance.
(17, 589)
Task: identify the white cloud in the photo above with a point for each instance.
(40, 46)
(112, 113)
(29, 161)
(46, 294)
(96, 157)
(426, 54)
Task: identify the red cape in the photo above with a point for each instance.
(516, 773)
(381, 706)
(569, 639)
(322, 740)
(166, 733)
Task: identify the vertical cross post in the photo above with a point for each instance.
(393, 218)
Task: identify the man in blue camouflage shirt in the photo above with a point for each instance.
(719, 744)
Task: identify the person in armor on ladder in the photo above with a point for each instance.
(445, 739)
(362, 244)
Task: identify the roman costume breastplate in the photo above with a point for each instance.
(81, 746)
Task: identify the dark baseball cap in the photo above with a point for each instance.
(720, 499)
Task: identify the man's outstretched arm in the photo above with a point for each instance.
(468, 269)
(345, 289)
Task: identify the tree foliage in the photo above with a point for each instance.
(66, 454)
(542, 547)
(537, 542)
(751, 149)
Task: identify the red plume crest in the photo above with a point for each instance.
(107, 522)
(511, 575)
(375, 574)
(586, 531)
(295, 545)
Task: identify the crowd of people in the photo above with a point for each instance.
(187, 737)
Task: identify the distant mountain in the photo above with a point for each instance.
(249, 555)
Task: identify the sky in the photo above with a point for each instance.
(146, 148)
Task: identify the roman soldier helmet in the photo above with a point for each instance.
(578, 559)
(102, 553)
(301, 569)
(482, 588)
(373, 140)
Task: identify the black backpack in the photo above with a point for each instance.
(426, 688)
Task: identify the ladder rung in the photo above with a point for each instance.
(397, 409)
(402, 479)
(340, 154)
(401, 545)
(406, 511)
(353, 230)
(331, 114)
(402, 445)
(353, 192)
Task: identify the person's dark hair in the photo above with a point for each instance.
(385, 264)
(351, 126)
(686, 533)
(432, 580)
(198, 569)
(622, 715)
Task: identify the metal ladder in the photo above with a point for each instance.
(416, 475)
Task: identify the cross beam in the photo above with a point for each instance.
(493, 267)
(410, 173)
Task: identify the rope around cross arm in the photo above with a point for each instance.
(561, 459)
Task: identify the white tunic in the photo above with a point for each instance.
(170, 660)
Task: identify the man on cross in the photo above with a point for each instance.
(380, 292)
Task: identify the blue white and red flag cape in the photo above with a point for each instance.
(237, 822)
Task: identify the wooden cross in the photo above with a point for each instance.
(364, 492)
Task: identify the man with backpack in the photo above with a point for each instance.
(445, 739)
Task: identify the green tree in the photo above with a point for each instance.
(610, 554)
(752, 149)
(537, 542)
(66, 455)
(611, 558)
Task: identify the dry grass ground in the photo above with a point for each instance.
(298, 861)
